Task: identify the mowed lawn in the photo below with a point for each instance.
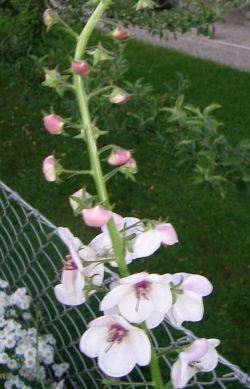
(214, 234)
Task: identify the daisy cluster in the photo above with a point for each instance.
(24, 353)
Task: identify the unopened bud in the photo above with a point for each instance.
(119, 157)
(119, 96)
(96, 217)
(49, 169)
(79, 197)
(80, 68)
(120, 35)
(130, 166)
(53, 124)
(48, 17)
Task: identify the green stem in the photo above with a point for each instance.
(154, 364)
(90, 138)
(99, 91)
(67, 27)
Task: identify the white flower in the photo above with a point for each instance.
(12, 364)
(118, 345)
(188, 290)
(3, 358)
(201, 356)
(140, 297)
(70, 291)
(60, 369)
(3, 284)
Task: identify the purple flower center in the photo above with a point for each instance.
(141, 289)
(116, 333)
(69, 264)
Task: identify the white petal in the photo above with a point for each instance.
(87, 253)
(92, 341)
(134, 278)
(188, 307)
(135, 310)
(196, 351)
(197, 284)
(65, 235)
(79, 283)
(154, 320)
(145, 244)
(181, 373)
(113, 297)
(96, 272)
(102, 244)
(68, 279)
(117, 360)
(161, 296)
(209, 361)
(167, 233)
(141, 347)
(214, 342)
(135, 224)
(68, 297)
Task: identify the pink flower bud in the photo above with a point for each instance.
(119, 157)
(80, 68)
(120, 35)
(48, 17)
(132, 165)
(48, 168)
(53, 124)
(96, 217)
(119, 96)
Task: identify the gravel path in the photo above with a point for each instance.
(229, 46)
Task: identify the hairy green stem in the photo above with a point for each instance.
(90, 138)
(96, 166)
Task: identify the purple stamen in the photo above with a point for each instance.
(69, 264)
(116, 333)
(142, 288)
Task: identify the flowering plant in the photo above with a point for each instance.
(25, 354)
(136, 303)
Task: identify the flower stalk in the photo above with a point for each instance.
(82, 99)
(90, 138)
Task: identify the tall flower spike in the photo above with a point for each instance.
(118, 345)
(201, 356)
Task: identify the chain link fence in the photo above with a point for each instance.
(31, 255)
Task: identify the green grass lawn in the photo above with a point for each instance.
(213, 233)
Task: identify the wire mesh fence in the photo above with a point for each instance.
(31, 255)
